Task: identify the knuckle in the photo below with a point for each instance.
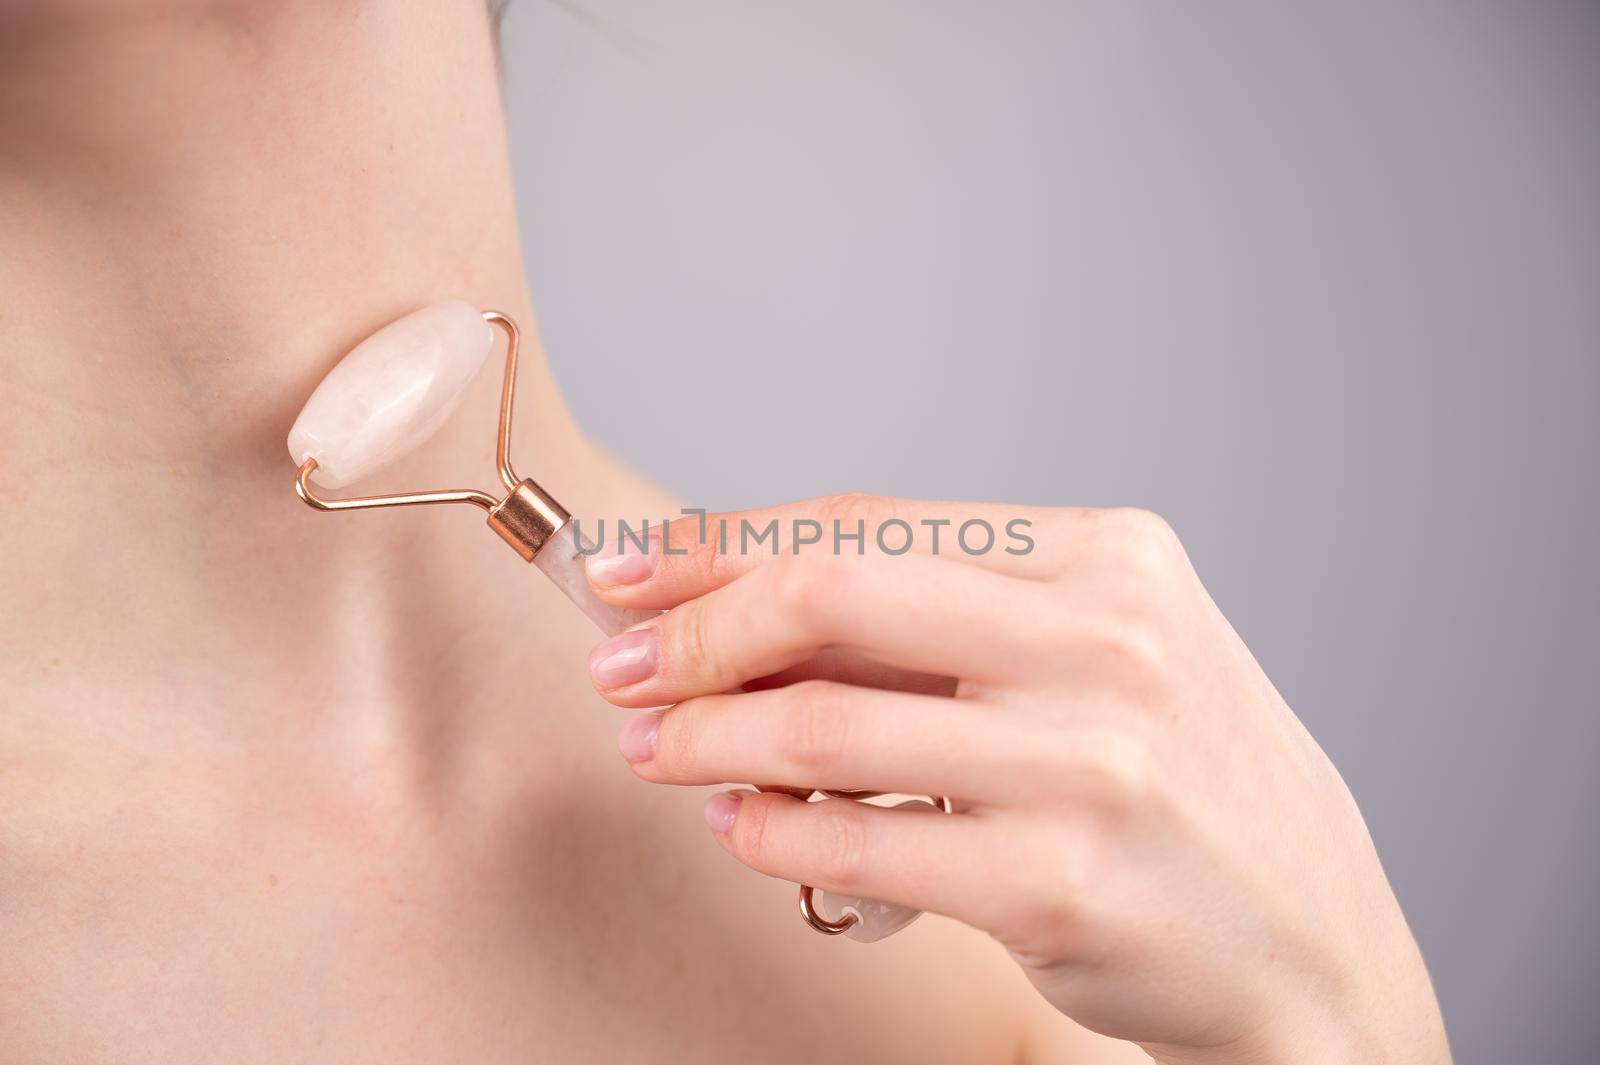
(1064, 534)
(1070, 522)
(840, 836)
(750, 841)
(1144, 542)
(681, 544)
(1041, 919)
(703, 563)
(1056, 911)
(1135, 647)
(1137, 522)
(848, 508)
(677, 740)
(1121, 649)
(811, 588)
(1117, 769)
(689, 648)
(814, 728)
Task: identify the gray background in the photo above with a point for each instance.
(1318, 282)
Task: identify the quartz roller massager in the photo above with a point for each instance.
(393, 391)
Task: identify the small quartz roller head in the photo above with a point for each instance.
(391, 393)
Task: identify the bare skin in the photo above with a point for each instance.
(281, 786)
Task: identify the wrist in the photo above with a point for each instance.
(1419, 1040)
(1392, 1018)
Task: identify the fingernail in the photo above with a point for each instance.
(637, 740)
(625, 659)
(624, 564)
(722, 809)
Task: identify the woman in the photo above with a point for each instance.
(286, 788)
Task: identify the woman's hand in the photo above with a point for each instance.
(1140, 819)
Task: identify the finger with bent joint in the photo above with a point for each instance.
(693, 555)
(913, 614)
(826, 736)
(952, 864)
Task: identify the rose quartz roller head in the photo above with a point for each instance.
(392, 392)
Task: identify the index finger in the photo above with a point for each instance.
(698, 553)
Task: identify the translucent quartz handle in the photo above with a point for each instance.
(874, 920)
(562, 562)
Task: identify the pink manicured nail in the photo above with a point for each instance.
(637, 740)
(625, 659)
(723, 809)
(623, 564)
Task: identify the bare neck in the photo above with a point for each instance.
(201, 208)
